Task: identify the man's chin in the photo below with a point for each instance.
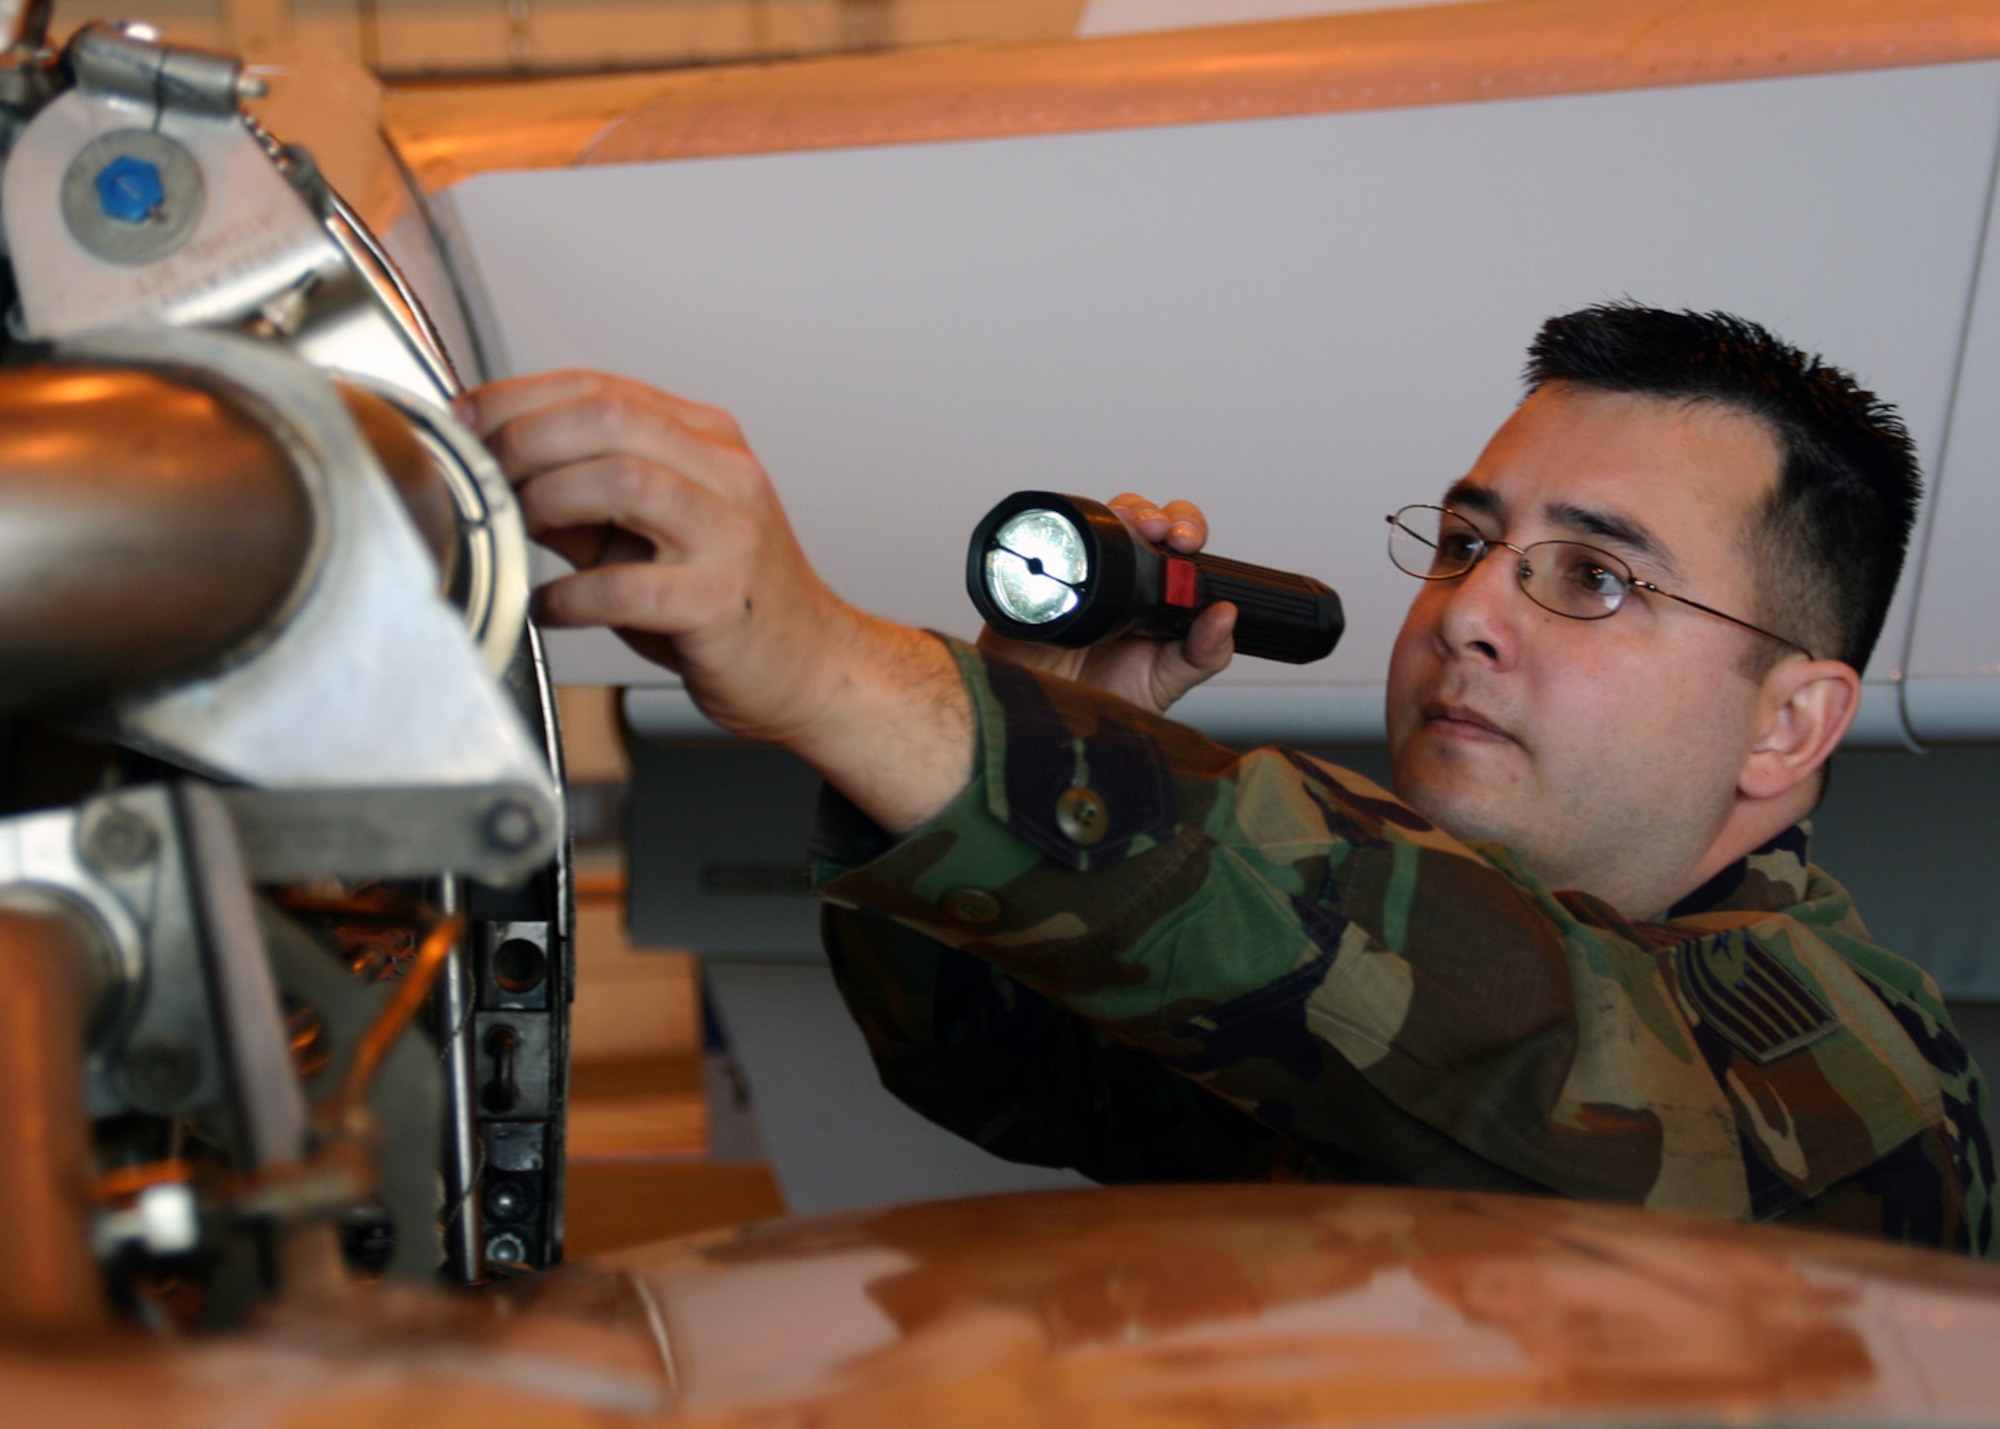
(1462, 807)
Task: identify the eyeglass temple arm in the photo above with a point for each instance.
(1652, 589)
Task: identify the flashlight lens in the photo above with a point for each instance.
(1035, 565)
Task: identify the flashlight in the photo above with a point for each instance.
(1064, 570)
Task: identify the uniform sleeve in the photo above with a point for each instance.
(1296, 943)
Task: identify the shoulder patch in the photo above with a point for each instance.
(1745, 993)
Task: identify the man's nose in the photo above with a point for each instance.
(1483, 608)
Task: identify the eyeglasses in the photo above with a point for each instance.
(1435, 543)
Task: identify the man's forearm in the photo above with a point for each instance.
(895, 731)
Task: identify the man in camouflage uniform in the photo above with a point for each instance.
(1584, 952)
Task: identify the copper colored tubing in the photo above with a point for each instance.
(50, 1280)
(390, 1022)
(124, 1182)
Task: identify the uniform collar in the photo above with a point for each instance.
(1766, 880)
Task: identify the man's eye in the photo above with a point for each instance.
(1458, 548)
(1595, 578)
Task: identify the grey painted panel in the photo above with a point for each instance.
(1954, 653)
(716, 837)
(1912, 838)
(1300, 322)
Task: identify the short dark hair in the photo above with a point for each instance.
(1831, 543)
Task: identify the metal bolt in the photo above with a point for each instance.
(510, 826)
(120, 841)
(157, 1076)
(507, 1201)
(130, 190)
(250, 86)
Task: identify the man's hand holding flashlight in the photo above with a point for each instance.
(1151, 673)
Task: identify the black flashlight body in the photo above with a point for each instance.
(1128, 585)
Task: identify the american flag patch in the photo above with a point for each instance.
(1751, 998)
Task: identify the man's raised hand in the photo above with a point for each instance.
(682, 546)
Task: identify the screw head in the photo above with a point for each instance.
(130, 190)
(120, 841)
(157, 1076)
(510, 826)
(508, 1200)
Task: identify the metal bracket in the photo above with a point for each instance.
(189, 1009)
(370, 704)
(213, 246)
(496, 832)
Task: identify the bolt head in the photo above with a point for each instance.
(508, 1200)
(130, 190)
(511, 826)
(158, 1076)
(120, 841)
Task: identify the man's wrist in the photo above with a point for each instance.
(895, 733)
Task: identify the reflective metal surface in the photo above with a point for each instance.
(344, 782)
(250, 240)
(414, 469)
(152, 527)
(1228, 1307)
(1285, 1305)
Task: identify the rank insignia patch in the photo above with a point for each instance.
(1751, 998)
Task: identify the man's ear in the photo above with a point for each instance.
(1803, 710)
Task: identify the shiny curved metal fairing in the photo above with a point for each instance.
(1169, 1307)
(451, 483)
(152, 527)
(155, 527)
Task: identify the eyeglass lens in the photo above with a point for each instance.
(1566, 577)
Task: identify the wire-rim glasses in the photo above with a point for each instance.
(1567, 578)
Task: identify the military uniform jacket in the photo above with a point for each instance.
(1127, 949)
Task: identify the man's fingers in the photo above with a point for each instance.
(1143, 514)
(1205, 652)
(626, 493)
(597, 424)
(1179, 524)
(487, 409)
(586, 546)
(1187, 529)
(1211, 640)
(629, 596)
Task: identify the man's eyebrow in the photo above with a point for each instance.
(1479, 500)
(1620, 531)
(1632, 537)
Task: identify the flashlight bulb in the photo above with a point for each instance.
(1034, 567)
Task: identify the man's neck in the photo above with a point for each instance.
(1748, 826)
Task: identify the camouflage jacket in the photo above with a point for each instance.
(1129, 950)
